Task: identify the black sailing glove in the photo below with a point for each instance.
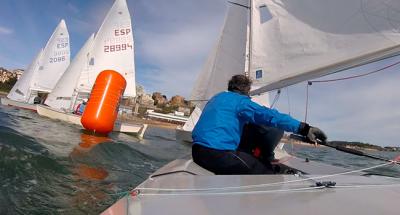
(312, 134)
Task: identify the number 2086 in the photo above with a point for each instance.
(57, 59)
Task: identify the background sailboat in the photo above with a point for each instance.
(64, 95)
(44, 71)
(296, 41)
(112, 47)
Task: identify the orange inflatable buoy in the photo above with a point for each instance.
(102, 108)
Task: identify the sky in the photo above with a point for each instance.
(173, 39)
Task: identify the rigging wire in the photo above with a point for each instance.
(309, 83)
(288, 100)
(307, 98)
(276, 98)
(358, 76)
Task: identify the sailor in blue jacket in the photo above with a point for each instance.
(217, 134)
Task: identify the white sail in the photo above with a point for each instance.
(193, 118)
(62, 95)
(46, 68)
(21, 90)
(54, 61)
(312, 38)
(113, 48)
(228, 58)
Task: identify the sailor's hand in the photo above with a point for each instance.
(316, 135)
(312, 134)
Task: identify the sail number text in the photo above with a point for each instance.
(119, 37)
(57, 59)
(62, 43)
(117, 48)
(122, 32)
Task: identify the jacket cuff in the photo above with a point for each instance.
(304, 128)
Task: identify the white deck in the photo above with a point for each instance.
(169, 117)
(281, 193)
(76, 119)
(23, 105)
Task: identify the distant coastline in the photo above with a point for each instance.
(3, 94)
(346, 144)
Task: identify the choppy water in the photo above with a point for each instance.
(51, 167)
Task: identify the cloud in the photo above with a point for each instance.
(172, 50)
(175, 58)
(4, 30)
(73, 8)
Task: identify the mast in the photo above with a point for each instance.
(250, 38)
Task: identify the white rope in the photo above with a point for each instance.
(304, 189)
(263, 185)
(232, 193)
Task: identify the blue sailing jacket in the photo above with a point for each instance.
(221, 123)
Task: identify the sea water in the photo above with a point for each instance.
(52, 167)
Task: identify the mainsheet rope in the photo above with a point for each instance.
(309, 83)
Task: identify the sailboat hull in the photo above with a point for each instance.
(353, 193)
(76, 119)
(22, 105)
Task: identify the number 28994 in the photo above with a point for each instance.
(117, 48)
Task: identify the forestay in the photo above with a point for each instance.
(294, 41)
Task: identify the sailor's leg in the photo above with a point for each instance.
(270, 139)
(248, 140)
(228, 162)
(262, 137)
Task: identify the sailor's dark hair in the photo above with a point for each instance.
(240, 84)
